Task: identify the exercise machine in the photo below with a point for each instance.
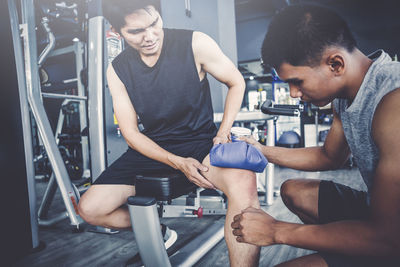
(27, 61)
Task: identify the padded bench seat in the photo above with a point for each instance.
(163, 186)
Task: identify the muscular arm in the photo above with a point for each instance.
(377, 236)
(331, 155)
(127, 120)
(209, 58)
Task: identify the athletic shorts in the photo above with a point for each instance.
(131, 163)
(337, 202)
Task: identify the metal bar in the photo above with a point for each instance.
(51, 188)
(61, 96)
(96, 45)
(198, 247)
(48, 197)
(245, 116)
(62, 51)
(54, 220)
(316, 127)
(26, 122)
(79, 53)
(34, 98)
(52, 41)
(148, 235)
(269, 178)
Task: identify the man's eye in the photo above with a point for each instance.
(297, 82)
(135, 31)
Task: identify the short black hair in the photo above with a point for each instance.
(115, 11)
(299, 34)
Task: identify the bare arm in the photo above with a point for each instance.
(127, 119)
(331, 155)
(209, 58)
(377, 236)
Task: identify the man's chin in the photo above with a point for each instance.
(319, 103)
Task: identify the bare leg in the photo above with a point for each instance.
(104, 205)
(301, 197)
(314, 260)
(241, 189)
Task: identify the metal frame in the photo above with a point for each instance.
(26, 122)
(27, 60)
(96, 82)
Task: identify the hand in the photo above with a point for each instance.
(254, 226)
(222, 139)
(190, 167)
(251, 141)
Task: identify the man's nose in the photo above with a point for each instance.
(148, 35)
(295, 92)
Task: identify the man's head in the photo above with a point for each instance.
(138, 21)
(307, 45)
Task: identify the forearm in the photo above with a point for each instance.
(344, 237)
(305, 159)
(150, 149)
(233, 103)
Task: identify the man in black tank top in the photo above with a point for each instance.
(161, 78)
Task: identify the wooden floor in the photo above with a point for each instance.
(65, 248)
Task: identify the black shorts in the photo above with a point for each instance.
(337, 202)
(125, 168)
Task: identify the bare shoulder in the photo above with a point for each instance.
(386, 122)
(114, 82)
(200, 38)
(203, 44)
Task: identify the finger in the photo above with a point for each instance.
(203, 182)
(200, 166)
(237, 217)
(240, 239)
(217, 141)
(237, 232)
(235, 225)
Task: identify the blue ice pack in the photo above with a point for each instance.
(239, 155)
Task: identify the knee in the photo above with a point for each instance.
(288, 192)
(87, 211)
(241, 183)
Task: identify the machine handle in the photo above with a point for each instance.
(269, 108)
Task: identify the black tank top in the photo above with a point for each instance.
(172, 104)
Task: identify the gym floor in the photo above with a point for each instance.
(65, 248)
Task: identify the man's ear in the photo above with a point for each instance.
(336, 63)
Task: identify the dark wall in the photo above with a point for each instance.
(15, 220)
(375, 24)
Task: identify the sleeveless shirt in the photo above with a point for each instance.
(171, 102)
(383, 76)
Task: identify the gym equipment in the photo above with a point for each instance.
(289, 139)
(29, 84)
(269, 107)
(18, 201)
(159, 188)
(238, 154)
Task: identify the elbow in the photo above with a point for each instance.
(389, 239)
(331, 162)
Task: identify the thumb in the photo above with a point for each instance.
(250, 209)
(246, 139)
(201, 167)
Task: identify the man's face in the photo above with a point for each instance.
(317, 84)
(143, 31)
